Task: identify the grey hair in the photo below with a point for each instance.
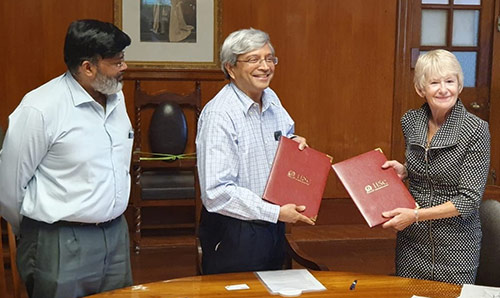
(241, 42)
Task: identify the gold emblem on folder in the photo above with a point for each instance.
(298, 177)
(377, 185)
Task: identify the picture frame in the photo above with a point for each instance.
(170, 34)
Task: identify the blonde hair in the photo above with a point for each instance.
(437, 63)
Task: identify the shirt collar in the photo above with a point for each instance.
(80, 96)
(268, 99)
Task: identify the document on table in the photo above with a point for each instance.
(473, 291)
(289, 283)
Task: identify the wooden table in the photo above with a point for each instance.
(337, 284)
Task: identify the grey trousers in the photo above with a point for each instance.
(71, 260)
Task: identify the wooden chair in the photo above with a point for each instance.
(166, 175)
(488, 273)
(11, 240)
(1, 136)
(15, 280)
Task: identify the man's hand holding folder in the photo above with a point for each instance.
(297, 180)
(292, 213)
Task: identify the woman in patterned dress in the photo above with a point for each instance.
(447, 162)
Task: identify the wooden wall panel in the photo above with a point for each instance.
(495, 103)
(32, 38)
(335, 76)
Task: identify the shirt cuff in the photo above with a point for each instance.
(271, 212)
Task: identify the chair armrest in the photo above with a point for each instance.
(199, 255)
(16, 279)
(293, 251)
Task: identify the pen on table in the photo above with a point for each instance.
(353, 285)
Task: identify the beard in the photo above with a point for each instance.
(106, 85)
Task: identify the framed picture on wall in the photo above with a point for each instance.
(170, 34)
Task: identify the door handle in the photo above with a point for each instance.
(475, 105)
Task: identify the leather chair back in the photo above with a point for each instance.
(488, 273)
(168, 131)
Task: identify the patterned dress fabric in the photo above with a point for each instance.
(454, 167)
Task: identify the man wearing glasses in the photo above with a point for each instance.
(236, 143)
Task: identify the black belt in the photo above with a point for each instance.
(64, 223)
(210, 216)
(259, 222)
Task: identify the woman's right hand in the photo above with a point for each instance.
(398, 167)
(401, 218)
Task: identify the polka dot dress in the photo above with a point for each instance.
(453, 168)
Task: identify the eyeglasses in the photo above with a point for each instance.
(117, 61)
(255, 60)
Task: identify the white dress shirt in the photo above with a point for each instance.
(235, 147)
(65, 157)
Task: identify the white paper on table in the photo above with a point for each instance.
(284, 282)
(473, 291)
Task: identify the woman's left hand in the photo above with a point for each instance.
(401, 218)
(398, 167)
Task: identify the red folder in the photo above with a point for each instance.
(373, 189)
(298, 177)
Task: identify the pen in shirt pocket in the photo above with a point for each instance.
(131, 134)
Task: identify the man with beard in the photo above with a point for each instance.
(64, 171)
